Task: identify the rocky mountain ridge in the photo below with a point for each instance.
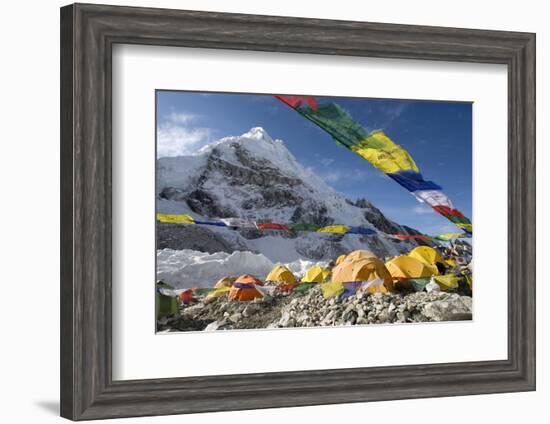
(257, 178)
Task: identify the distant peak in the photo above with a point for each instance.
(258, 133)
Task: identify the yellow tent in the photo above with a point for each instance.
(339, 259)
(217, 292)
(363, 269)
(405, 267)
(175, 219)
(281, 275)
(342, 229)
(316, 274)
(428, 256)
(360, 254)
(225, 282)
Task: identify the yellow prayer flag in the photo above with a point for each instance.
(384, 154)
(467, 227)
(175, 219)
(342, 229)
(449, 236)
(447, 281)
(332, 289)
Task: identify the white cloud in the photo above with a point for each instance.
(178, 141)
(176, 137)
(326, 161)
(181, 118)
(350, 175)
(447, 228)
(332, 176)
(423, 210)
(390, 113)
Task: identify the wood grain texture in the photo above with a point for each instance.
(66, 210)
(88, 33)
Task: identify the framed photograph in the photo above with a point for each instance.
(264, 212)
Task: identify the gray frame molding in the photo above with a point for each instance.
(88, 33)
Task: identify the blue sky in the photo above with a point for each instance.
(438, 135)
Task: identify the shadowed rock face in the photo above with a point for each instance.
(377, 218)
(235, 182)
(195, 237)
(204, 203)
(258, 183)
(380, 222)
(311, 212)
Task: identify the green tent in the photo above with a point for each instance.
(165, 305)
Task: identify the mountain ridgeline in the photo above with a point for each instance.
(255, 177)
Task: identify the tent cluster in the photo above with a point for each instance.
(362, 270)
(359, 270)
(419, 266)
(378, 149)
(235, 223)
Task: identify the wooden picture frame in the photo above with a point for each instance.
(88, 33)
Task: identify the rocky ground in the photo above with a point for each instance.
(310, 309)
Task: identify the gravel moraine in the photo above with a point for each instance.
(310, 309)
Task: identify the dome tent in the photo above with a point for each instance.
(217, 292)
(316, 274)
(359, 254)
(280, 274)
(225, 282)
(430, 257)
(166, 302)
(363, 266)
(405, 267)
(244, 288)
(339, 259)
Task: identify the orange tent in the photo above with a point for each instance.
(339, 259)
(244, 288)
(186, 296)
(359, 254)
(248, 279)
(366, 268)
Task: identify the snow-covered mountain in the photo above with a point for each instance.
(255, 177)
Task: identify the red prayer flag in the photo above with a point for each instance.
(447, 211)
(287, 287)
(296, 101)
(412, 236)
(273, 226)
